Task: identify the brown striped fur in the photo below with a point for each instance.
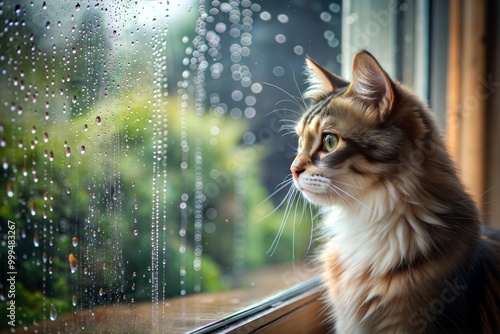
(403, 247)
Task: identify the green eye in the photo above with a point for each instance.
(330, 142)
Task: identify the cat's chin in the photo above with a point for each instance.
(322, 199)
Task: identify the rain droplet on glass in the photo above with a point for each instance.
(10, 189)
(36, 239)
(74, 241)
(53, 312)
(283, 18)
(72, 262)
(98, 120)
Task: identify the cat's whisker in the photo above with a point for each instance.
(349, 185)
(293, 230)
(295, 99)
(354, 198)
(292, 195)
(284, 109)
(288, 133)
(285, 200)
(332, 199)
(285, 183)
(304, 103)
(311, 234)
(290, 124)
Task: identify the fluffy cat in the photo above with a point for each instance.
(403, 247)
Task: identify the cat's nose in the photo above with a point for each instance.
(296, 170)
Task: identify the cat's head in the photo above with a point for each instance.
(355, 135)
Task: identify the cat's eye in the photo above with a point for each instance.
(330, 142)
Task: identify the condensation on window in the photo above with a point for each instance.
(141, 143)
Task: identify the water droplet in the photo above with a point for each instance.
(44, 5)
(10, 189)
(101, 292)
(36, 239)
(72, 262)
(283, 18)
(98, 120)
(104, 266)
(335, 8)
(82, 149)
(53, 312)
(85, 127)
(74, 241)
(265, 16)
(47, 25)
(136, 232)
(68, 151)
(280, 38)
(73, 300)
(77, 6)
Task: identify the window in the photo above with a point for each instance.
(144, 170)
(140, 141)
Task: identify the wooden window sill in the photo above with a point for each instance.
(282, 298)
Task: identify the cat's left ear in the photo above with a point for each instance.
(321, 81)
(372, 84)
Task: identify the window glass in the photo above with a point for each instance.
(145, 151)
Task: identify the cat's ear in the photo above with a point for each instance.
(372, 84)
(321, 81)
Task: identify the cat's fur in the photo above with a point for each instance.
(403, 250)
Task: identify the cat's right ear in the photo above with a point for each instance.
(321, 81)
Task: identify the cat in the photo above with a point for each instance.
(403, 249)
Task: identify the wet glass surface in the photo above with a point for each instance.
(141, 143)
